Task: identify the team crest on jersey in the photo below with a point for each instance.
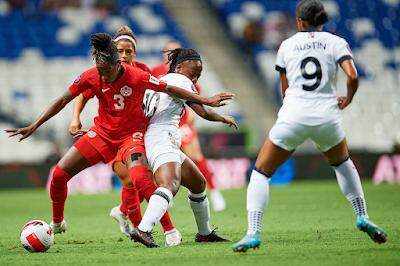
(126, 91)
(91, 134)
(137, 135)
(154, 80)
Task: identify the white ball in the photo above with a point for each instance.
(37, 236)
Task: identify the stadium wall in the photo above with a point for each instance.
(230, 173)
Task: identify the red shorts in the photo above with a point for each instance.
(188, 134)
(110, 149)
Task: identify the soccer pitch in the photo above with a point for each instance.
(307, 223)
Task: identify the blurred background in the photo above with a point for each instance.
(44, 46)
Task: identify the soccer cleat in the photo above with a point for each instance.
(376, 233)
(212, 237)
(59, 228)
(248, 241)
(124, 224)
(143, 237)
(217, 200)
(172, 238)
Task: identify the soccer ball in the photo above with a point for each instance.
(37, 236)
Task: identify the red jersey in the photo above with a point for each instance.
(120, 103)
(160, 70)
(142, 66)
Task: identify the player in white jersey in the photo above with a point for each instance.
(170, 165)
(308, 63)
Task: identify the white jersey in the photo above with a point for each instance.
(310, 61)
(163, 109)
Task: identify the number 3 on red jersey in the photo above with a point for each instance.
(120, 102)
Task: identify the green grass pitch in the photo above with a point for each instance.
(307, 223)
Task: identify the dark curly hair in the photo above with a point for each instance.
(104, 49)
(180, 55)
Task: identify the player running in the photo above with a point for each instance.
(125, 41)
(119, 126)
(190, 144)
(308, 64)
(170, 165)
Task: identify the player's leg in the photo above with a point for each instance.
(193, 150)
(78, 157)
(350, 185)
(146, 188)
(167, 176)
(129, 210)
(194, 180)
(283, 139)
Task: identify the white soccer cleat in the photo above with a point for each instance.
(173, 238)
(217, 200)
(59, 228)
(124, 224)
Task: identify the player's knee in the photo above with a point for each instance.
(59, 177)
(171, 184)
(136, 158)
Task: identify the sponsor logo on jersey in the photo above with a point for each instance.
(137, 135)
(76, 81)
(154, 80)
(91, 134)
(126, 91)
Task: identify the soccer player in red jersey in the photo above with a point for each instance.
(190, 141)
(126, 43)
(120, 125)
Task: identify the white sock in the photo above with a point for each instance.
(257, 201)
(158, 205)
(350, 184)
(201, 211)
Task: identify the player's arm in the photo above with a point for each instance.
(51, 111)
(352, 82)
(76, 125)
(214, 101)
(210, 115)
(284, 83)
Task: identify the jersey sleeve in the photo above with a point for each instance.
(81, 85)
(180, 81)
(342, 51)
(280, 64)
(150, 82)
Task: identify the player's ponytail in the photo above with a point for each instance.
(104, 49)
(180, 55)
(312, 12)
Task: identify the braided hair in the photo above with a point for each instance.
(180, 55)
(312, 12)
(104, 50)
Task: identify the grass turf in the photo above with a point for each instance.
(307, 223)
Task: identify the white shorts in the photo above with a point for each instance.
(162, 146)
(290, 135)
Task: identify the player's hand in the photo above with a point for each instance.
(74, 126)
(219, 99)
(343, 102)
(79, 133)
(23, 131)
(229, 120)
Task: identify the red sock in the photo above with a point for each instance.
(146, 189)
(58, 193)
(203, 167)
(130, 205)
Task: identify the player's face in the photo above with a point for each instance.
(191, 69)
(108, 72)
(126, 51)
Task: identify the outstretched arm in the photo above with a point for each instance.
(215, 101)
(352, 83)
(51, 111)
(76, 125)
(210, 115)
